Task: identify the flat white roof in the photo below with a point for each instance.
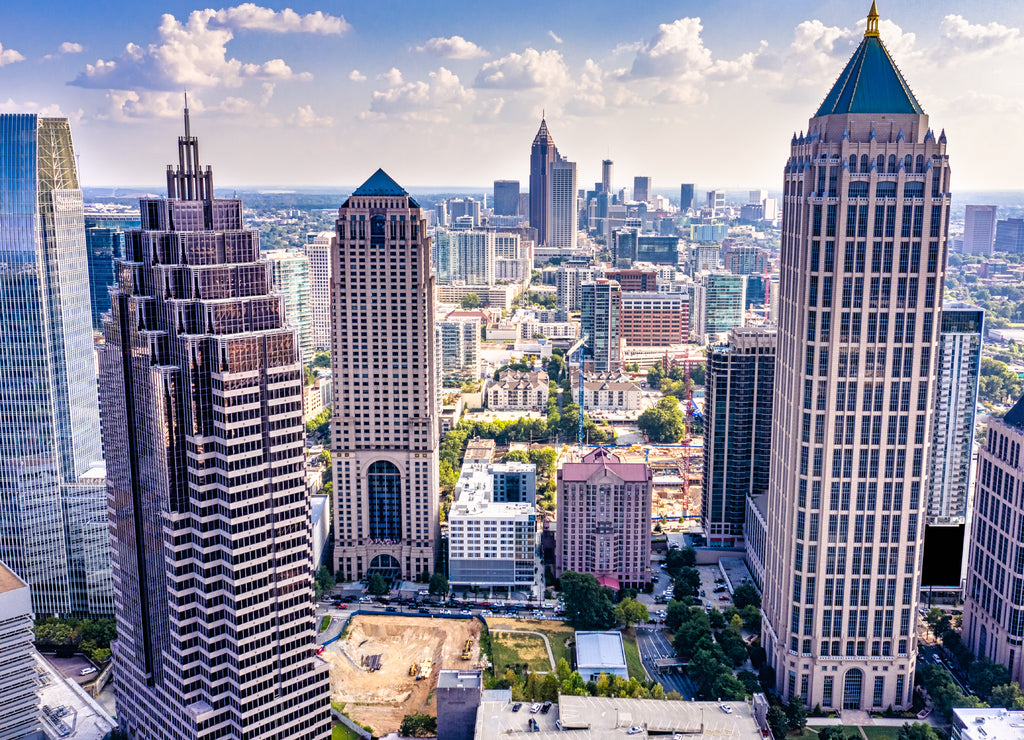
(989, 724)
(600, 650)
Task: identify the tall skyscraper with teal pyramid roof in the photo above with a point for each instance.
(864, 227)
(384, 430)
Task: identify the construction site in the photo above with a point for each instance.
(387, 667)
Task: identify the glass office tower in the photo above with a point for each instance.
(51, 464)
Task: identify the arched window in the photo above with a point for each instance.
(853, 163)
(853, 685)
(384, 501)
(908, 163)
(865, 163)
(892, 164)
(880, 163)
(919, 167)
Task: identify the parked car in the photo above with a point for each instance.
(535, 708)
(545, 708)
(87, 671)
(723, 597)
(517, 706)
(391, 609)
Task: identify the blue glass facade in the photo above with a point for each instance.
(52, 497)
(104, 243)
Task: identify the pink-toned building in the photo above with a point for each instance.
(604, 520)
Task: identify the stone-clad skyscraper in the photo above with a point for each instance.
(384, 430)
(52, 497)
(201, 384)
(543, 155)
(866, 206)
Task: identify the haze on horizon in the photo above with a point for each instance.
(450, 94)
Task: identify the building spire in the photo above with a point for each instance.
(872, 29)
(188, 133)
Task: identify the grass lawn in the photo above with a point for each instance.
(879, 732)
(557, 634)
(342, 732)
(853, 733)
(510, 648)
(633, 663)
(325, 622)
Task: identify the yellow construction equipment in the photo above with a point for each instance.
(467, 651)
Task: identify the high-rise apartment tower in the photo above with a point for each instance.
(52, 494)
(866, 203)
(385, 427)
(642, 189)
(318, 250)
(543, 155)
(201, 383)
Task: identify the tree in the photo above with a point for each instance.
(1008, 696)
(688, 556)
(749, 681)
(654, 375)
(733, 647)
(470, 301)
(728, 688)
(664, 423)
(324, 581)
(938, 622)
(796, 714)
(322, 359)
(587, 603)
(745, 594)
(916, 731)
(778, 722)
(687, 583)
(676, 614)
(549, 688)
(562, 669)
(691, 632)
(447, 476)
(516, 456)
(674, 561)
(751, 618)
(984, 675)
(831, 732)
(418, 725)
(544, 458)
(438, 584)
(377, 585)
(705, 667)
(630, 612)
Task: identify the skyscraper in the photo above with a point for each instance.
(385, 428)
(318, 250)
(506, 197)
(716, 201)
(1010, 236)
(685, 197)
(606, 175)
(50, 447)
(738, 420)
(719, 299)
(642, 189)
(104, 243)
(444, 256)
(202, 421)
(564, 221)
(601, 322)
(993, 615)
(958, 364)
(290, 272)
(866, 199)
(543, 155)
(475, 256)
(979, 229)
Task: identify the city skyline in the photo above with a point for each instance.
(473, 83)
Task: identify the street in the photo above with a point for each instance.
(653, 645)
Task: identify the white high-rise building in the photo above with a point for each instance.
(459, 343)
(19, 702)
(568, 280)
(291, 275)
(475, 256)
(979, 229)
(318, 250)
(384, 433)
(865, 204)
(564, 214)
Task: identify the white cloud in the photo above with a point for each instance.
(268, 93)
(455, 47)
(356, 76)
(555, 37)
(50, 111)
(961, 38)
(127, 106)
(253, 17)
(676, 49)
(190, 54)
(430, 100)
(391, 78)
(71, 47)
(10, 56)
(306, 117)
(529, 70)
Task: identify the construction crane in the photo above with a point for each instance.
(577, 356)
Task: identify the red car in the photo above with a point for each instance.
(320, 650)
(723, 597)
(342, 606)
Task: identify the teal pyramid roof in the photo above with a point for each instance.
(380, 183)
(1015, 416)
(871, 83)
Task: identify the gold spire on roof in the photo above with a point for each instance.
(872, 29)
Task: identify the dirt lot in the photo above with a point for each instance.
(381, 698)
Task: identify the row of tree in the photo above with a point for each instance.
(564, 680)
(92, 637)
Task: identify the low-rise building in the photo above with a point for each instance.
(607, 392)
(515, 390)
(987, 724)
(600, 652)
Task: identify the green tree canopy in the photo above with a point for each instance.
(418, 725)
(917, 731)
(516, 456)
(324, 581)
(746, 594)
(588, 605)
(438, 584)
(377, 585)
(631, 612)
(471, 301)
(984, 675)
(1008, 696)
(664, 423)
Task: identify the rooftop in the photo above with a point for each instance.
(380, 183)
(600, 650)
(9, 580)
(871, 81)
(460, 680)
(989, 724)
(1015, 416)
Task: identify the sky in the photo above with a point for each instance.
(450, 94)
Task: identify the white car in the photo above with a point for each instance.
(634, 730)
(87, 671)
(725, 708)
